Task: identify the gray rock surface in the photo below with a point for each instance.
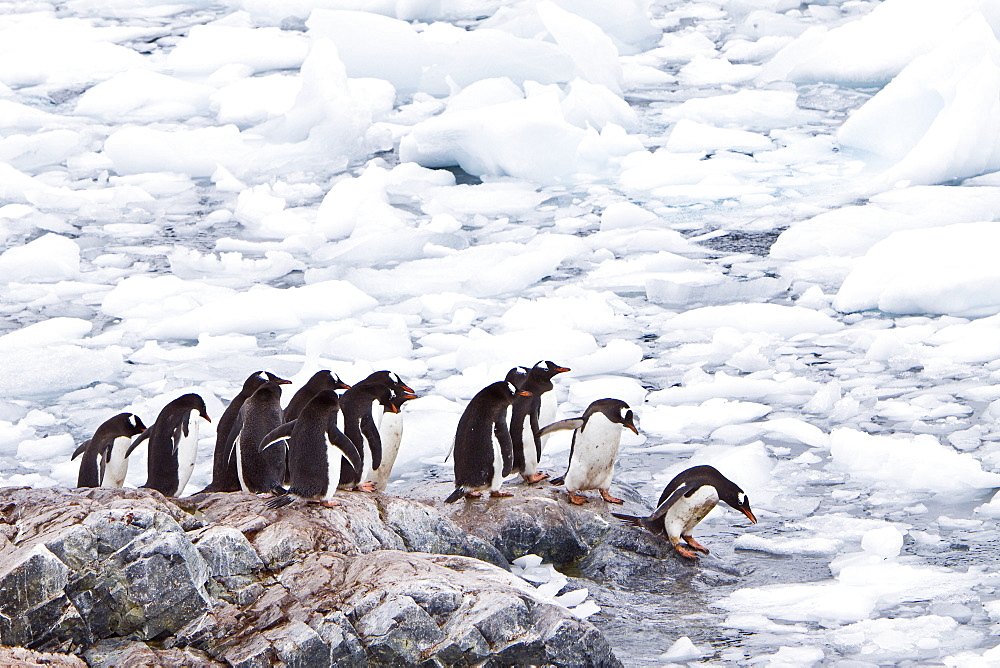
(129, 577)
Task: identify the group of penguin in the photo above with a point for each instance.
(323, 442)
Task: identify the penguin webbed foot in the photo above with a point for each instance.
(329, 503)
(557, 481)
(497, 494)
(685, 552)
(606, 495)
(695, 544)
(366, 486)
(578, 499)
(535, 477)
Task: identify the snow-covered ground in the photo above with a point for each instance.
(191, 191)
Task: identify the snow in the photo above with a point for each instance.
(767, 226)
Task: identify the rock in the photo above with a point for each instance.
(222, 579)
(19, 657)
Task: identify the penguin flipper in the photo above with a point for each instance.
(455, 496)
(234, 433)
(571, 423)
(506, 446)
(349, 451)
(277, 435)
(370, 431)
(280, 500)
(79, 450)
(682, 490)
(629, 519)
(450, 450)
(144, 436)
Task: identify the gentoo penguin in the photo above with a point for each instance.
(525, 414)
(594, 449)
(483, 448)
(317, 450)
(104, 463)
(225, 478)
(259, 416)
(685, 501)
(173, 444)
(321, 380)
(390, 431)
(363, 406)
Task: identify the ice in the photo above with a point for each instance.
(786, 321)
(207, 48)
(917, 464)
(812, 547)
(549, 582)
(945, 270)
(196, 152)
(697, 422)
(875, 48)
(689, 136)
(49, 258)
(945, 92)
(142, 95)
(684, 649)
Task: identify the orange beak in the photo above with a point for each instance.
(749, 514)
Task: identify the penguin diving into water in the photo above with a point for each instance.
(526, 414)
(317, 451)
(685, 502)
(104, 463)
(594, 449)
(173, 444)
(483, 448)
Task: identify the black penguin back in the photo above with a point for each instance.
(321, 380)
(260, 415)
(483, 420)
(171, 424)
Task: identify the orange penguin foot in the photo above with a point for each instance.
(536, 477)
(695, 544)
(473, 495)
(684, 552)
(500, 494)
(606, 495)
(329, 503)
(367, 486)
(578, 499)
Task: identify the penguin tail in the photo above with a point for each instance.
(280, 501)
(561, 480)
(630, 519)
(455, 496)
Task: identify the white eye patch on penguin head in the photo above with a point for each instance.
(511, 388)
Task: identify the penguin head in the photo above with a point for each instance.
(135, 425)
(514, 391)
(615, 410)
(190, 402)
(737, 498)
(516, 376)
(268, 376)
(551, 368)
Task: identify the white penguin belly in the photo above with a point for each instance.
(334, 460)
(497, 480)
(239, 465)
(187, 452)
(366, 459)
(687, 512)
(594, 455)
(117, 467)
(391, 433)
(530, 453)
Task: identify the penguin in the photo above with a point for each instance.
(321, 380)
(390, 431)
(317, 450)
(525, 416)
(173, 444)
(685, 502)
(363, 406)
(104, 463)
(225, 478)
(483, 448)
(259, 416)
(594, 448)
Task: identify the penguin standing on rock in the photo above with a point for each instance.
(104, 463)
(390, 431)
(225, 477)
(483, 447)
(321, 380)
(685, 502)
(594, 449)
(259, 416)
(525, 428)
(363, 406)
(317, 450)
(173, 444)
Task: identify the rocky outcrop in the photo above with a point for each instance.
(129, 577)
